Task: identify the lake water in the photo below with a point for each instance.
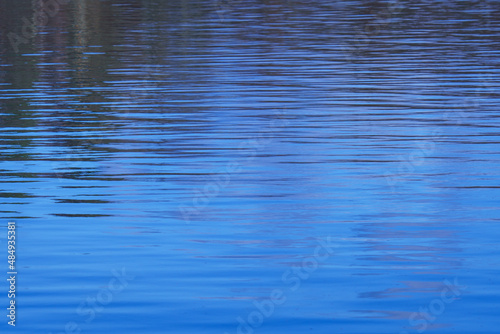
(251, 166)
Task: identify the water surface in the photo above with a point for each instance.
(206, 148)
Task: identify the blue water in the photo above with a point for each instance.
(251, 166)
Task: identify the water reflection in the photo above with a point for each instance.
(116, 114)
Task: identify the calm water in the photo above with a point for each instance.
(252, 166)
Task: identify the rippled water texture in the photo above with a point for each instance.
(251, 166)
